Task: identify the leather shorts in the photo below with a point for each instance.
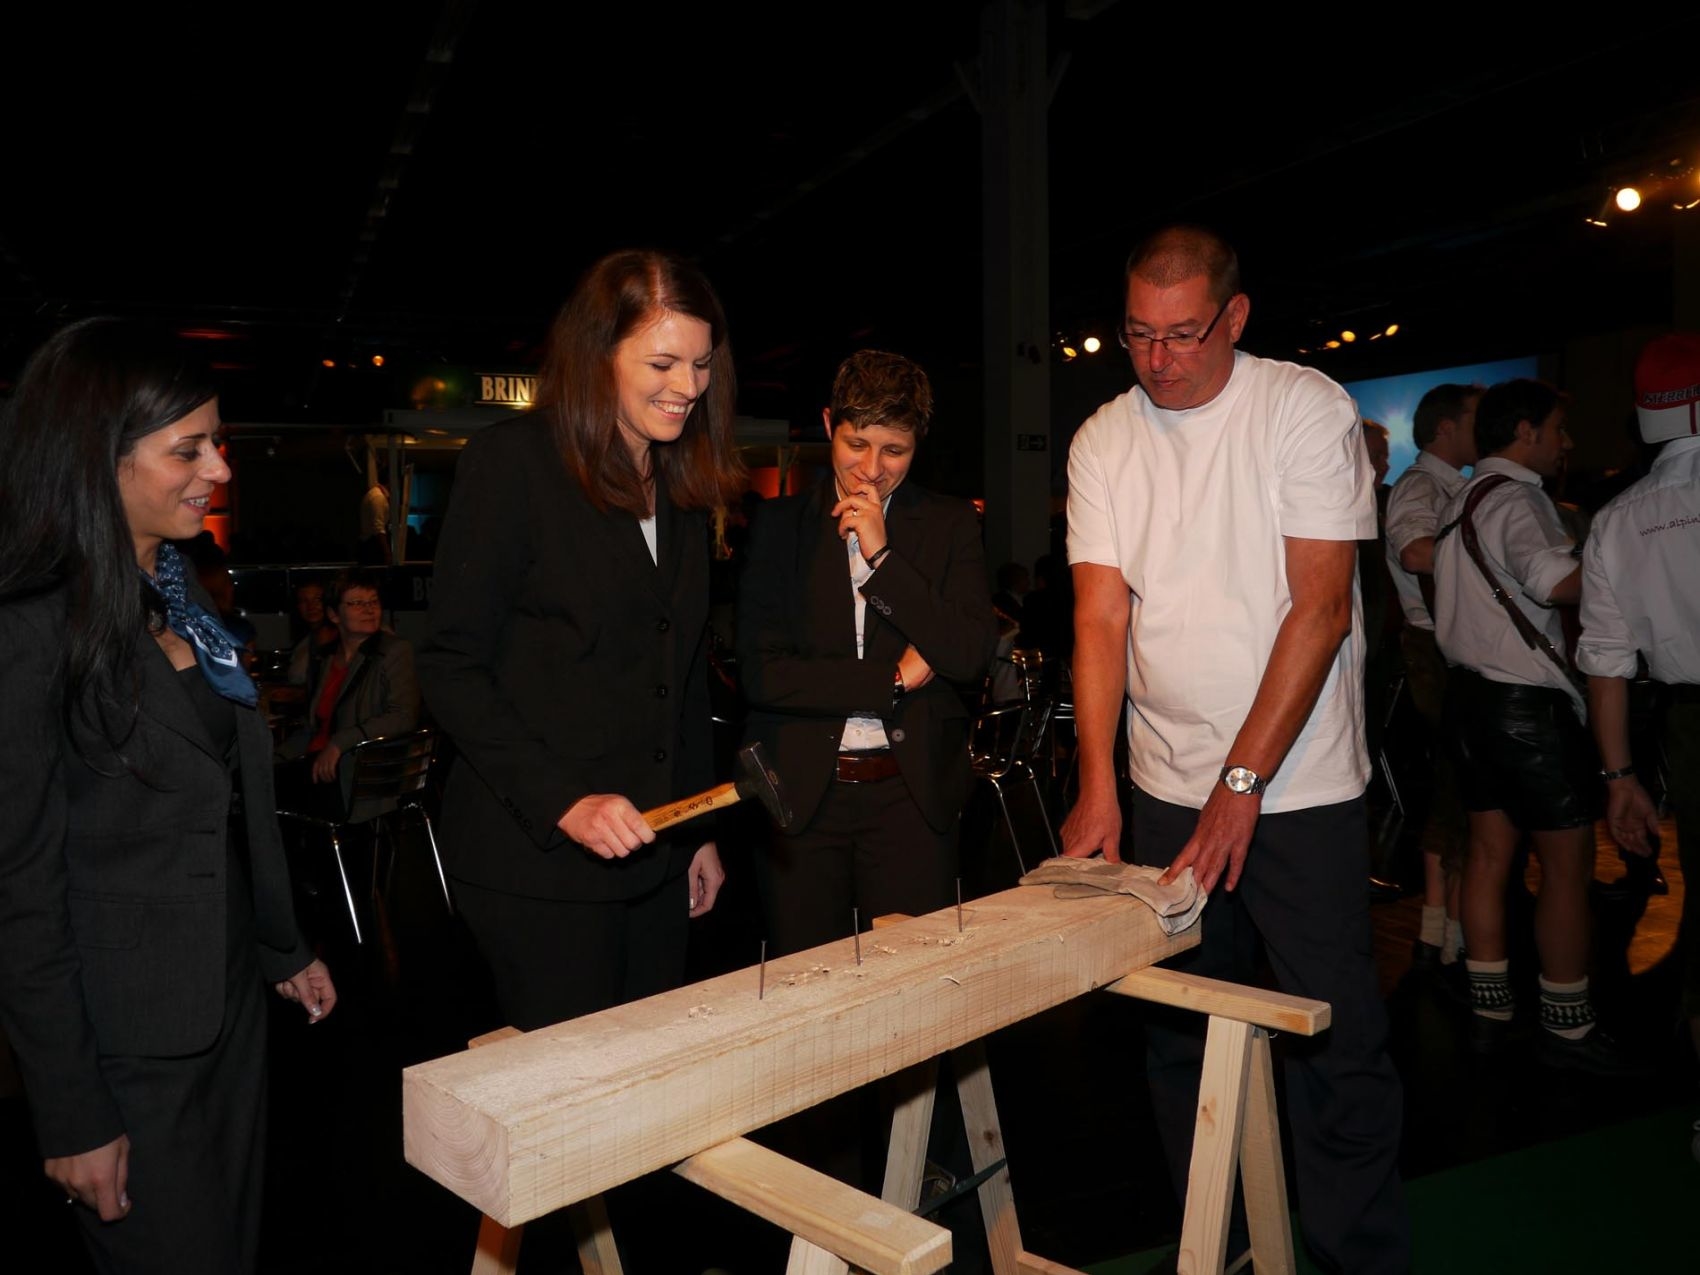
(1523, 750)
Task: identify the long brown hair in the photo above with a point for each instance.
(616, 297)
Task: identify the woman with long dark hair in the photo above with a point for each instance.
(568, 646)
(140, 909)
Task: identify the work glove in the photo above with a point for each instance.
(1177, 904)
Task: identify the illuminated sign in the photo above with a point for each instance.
(506, 389)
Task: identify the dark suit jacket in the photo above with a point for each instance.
(113, 879)
(797, 643)
(378, 697)
(563, 662)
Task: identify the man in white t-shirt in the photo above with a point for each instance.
(1443, 427)
(1213, 516)
(1640, 570)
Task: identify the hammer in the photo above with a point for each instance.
(755, 779)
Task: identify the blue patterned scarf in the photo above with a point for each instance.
(215, 650)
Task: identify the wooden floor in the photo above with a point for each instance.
(1650, 941)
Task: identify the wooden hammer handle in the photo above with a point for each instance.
(679, 811)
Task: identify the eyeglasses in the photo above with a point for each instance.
(362, 604)
(1179, 343)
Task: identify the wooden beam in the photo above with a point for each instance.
(880, 1238)
(1276, 1011)
(523, 1126)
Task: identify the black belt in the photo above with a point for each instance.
(865, 768)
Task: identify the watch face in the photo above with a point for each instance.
(1239, 779)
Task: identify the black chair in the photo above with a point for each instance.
(389, 779)
(1005, 742)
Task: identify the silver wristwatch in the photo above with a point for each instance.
(1243, 781)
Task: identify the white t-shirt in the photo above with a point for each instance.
(1641, 574)
(1413, 511)
(1191, 507)
(375, 513)
(1529, 552)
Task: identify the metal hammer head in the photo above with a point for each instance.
(757, 778)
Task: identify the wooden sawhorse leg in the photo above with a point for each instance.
(906, 1157)
(1236, 1125)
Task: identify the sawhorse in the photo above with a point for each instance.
(836, 1228)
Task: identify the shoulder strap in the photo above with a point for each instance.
(1466, 527)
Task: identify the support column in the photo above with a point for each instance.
(1013, 96)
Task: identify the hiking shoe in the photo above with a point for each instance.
(1492, 1035)
(1597, 1053)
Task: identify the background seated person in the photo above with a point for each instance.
(365, 688)
(312, 630)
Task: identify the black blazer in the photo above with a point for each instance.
(113, 879)
(378, 697)
(797, 643)
(563, 662)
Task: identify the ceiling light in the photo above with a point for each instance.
(1348, 336)
(377, 360)
(1092, 345)
(1392, 330)
(327, 362)
(1331, 345)
(1628, 199)
(1070, 353)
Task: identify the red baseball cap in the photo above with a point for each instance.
(1667, 387)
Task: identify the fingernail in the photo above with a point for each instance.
(313, 1010)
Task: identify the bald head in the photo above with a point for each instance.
(1175, 254)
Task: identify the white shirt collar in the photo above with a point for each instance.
(1510, 468)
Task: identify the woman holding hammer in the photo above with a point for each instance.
(567, 652)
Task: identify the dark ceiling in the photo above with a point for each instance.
(425, 180)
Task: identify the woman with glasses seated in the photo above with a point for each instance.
(140, 911)
(363, 687)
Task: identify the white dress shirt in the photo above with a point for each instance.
(1413, 512)
(1530, 554)
(861, 734)
(1641, 574)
